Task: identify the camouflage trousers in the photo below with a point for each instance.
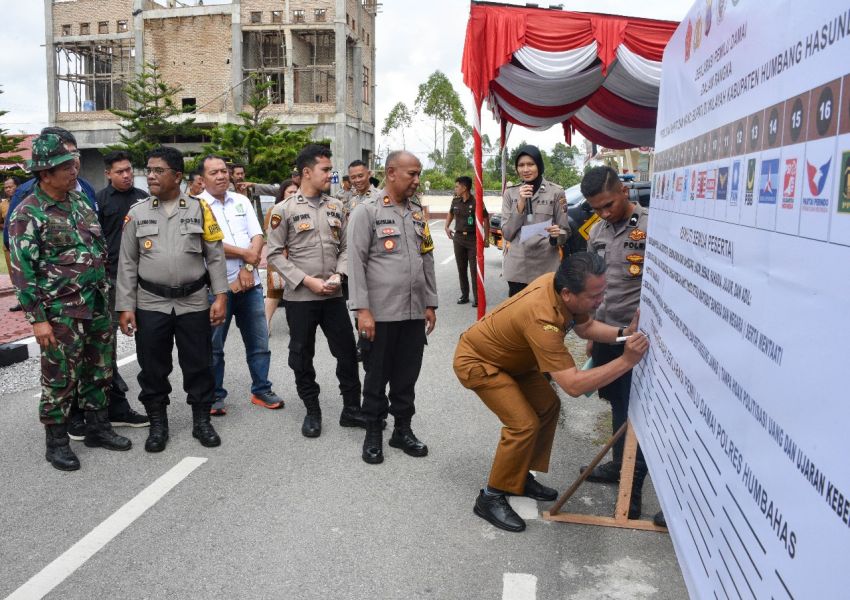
(79, 368)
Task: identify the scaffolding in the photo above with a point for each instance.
(315, 79)
(264, 54)
(91, 75)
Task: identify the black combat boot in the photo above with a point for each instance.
(373, 445)
(404, 439)
(99, 433)
(59, 452)
(351, 416)
(312, 426)
(202, 429)
(76, 423)
(605, 473)
(635, 504)
(158, 433)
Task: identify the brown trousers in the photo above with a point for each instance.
(528, 408)
(465, 253)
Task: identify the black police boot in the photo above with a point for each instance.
(538, 491)
(59, 453)
(312, 426)
(99, 433)
(605, 473)
(352, 417)
(202, 429)
(158, 433)
(120, 413)
(495, 509)
(404, 439)
(76, 423)
(373, 445)
(635, 504)
(659, 519)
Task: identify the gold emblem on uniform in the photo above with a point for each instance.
(127, 219)
(637, 234)
(635, 259)
(386, 200)
(417, 216)
(304, 226)
(148, 244)
(332, 207)
(389, 245)
(275, 221)
(553, 328)
(634, 270)
(182, 203)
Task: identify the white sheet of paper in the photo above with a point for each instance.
(530, 231)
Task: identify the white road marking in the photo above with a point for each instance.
(43, 582)
(526, 508)
(519, 586)
(432, 223)
(121, 362)
(448, 260)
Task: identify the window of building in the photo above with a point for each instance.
(354, 24)
(277, 16)
(188, 104)
(264, 61)
(122, 26)
(368, 41)
(66, 30)
(313, 67)
(320, 14)
(103, 27)
(365, 85)
(93, 76)
(85, 28)
(298, 15)
(256, 16)
(362, 33)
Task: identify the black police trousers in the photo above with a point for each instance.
(617, 393)
(155, 339)
(331, 315)
(465, 253)
(394, 357)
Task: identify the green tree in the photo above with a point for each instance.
(154, 118)
(399, 119)
(560, 165)
(261, 143)
(10, 145)
(456, 161)
(438, 99)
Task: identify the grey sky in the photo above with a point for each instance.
(414, 38)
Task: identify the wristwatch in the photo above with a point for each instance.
(248, 267)
(620, 332)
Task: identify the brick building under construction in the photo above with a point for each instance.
(319, 56)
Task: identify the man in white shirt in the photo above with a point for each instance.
(243, 245)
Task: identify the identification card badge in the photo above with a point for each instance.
(469, 220)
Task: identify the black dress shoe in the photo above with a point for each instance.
(16, 308)
(475, 304)
(605, 473)
(352, 417)
(312, 426)
(659, 519)
(538, 491)
(407, 441)
(463, 300)
(498, 512)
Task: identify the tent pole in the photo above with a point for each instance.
(479, 207)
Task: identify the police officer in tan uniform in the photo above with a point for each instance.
(619, 237)
(535, 200)
(393, 288)
(362, 189)
(171, 252)
(307, 246)
(503, 357)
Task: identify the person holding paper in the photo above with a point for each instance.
(503, 357)
(535, 200)
(619, 237)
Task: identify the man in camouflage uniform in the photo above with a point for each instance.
(58, 269)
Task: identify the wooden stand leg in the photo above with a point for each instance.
(621, 512)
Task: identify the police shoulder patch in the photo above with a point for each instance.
(275, 221)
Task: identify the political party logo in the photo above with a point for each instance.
(769, 181)
(680, 184)
(693, 185)
(689, 36)
(736, 183)
(751, 182)
(844, 185)
(700, 189)
(789, 183)
(722, 183)
(711, 184)
(816, 178)
(707, 17)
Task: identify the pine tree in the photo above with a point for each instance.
(11, 145)
(154, 118)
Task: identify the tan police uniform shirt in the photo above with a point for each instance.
(524, 333)
(622, 245)
(391, 261)
(171, 250)
(307, 237)
(526, 261)
(369, 195)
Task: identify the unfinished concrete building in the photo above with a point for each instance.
(319, 56)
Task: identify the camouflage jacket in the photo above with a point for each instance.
(58, 256)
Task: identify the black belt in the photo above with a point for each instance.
(180, 291)
(464, 233)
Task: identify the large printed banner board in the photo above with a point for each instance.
(742, 405)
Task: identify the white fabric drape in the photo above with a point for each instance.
(556, 65)
(623, 84)
(642, 69)
(549, 92)
(636, 137)
(527, 120)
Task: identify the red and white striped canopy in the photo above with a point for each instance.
(595, 74)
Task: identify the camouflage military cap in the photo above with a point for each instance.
(48, 151)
